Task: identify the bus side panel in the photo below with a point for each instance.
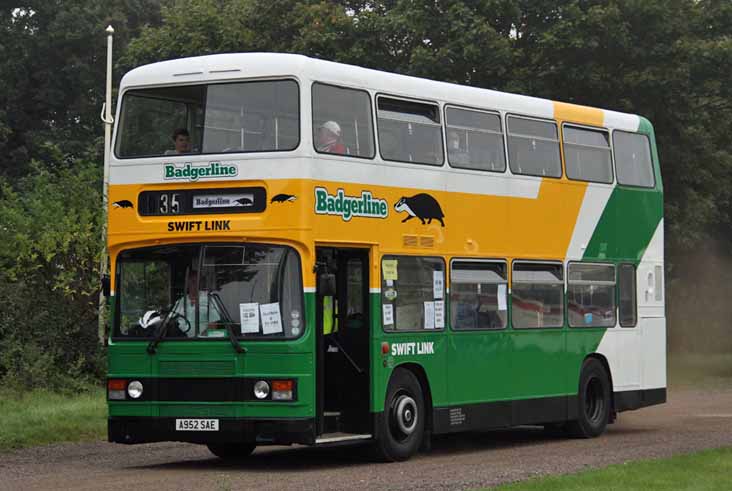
(427, 349)
(478, 364)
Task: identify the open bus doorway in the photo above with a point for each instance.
(342, 314)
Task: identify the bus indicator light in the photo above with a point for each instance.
(384, 348)
(282, 390)
(116, 389)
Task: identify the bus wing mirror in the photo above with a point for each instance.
(327, 284)
(106, 286)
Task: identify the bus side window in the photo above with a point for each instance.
(591, 295)
(537, 295)
(474, 140)
(411, 131)
(533, 147)
(587, 154)
(627, 292)
(345, 110)
(478, 295)
(633, 163)
(410, 297)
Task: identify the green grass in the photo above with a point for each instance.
(710, 469)
(40, 417)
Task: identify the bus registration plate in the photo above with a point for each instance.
(196, 425)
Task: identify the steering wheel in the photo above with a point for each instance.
(175, 316)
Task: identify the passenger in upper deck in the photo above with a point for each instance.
(182, 141)
(329, 139)
(455, 152)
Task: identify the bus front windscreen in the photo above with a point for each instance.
(261, 116)
(203, 291)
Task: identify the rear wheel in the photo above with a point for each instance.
(593, 401)
(231, 451)
(402, 426)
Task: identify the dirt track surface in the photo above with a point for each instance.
(692, 420)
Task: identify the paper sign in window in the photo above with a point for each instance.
(388, 311)
(440, 314)
(249, 317)
(438, 284)
(502, 297)
(271, 319)
(389, 269)
(429, 315)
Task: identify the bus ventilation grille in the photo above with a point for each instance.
(196, 368)
(424, 241)
(411, 241)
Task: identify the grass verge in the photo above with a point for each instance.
(709, 470)
(40, 417)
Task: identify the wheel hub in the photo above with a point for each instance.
(405, 414)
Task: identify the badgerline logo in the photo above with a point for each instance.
(349, 206)
(190, 172)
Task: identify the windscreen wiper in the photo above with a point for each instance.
(228, 322)
(151, 347)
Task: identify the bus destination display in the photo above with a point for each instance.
(202, 201)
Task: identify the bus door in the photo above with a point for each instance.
(343, 340)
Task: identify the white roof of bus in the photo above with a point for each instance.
(233, 66)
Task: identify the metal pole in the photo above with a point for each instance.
(107, 118)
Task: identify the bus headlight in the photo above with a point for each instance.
(261, 389)
(134, 390)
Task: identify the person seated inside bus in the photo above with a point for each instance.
(456, 153)
(208, 314)
(329, 139)
(182, 141)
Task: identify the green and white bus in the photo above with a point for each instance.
(306, 252)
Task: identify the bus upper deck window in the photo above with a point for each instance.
(587, 154)
(474, 140)
(218, 118)
(533, 147)
(342, 122)
(633, 159)
(409, 131)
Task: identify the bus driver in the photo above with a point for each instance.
(182, 141)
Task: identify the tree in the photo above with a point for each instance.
(52, 85)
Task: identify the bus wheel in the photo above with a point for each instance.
(231, 451)
(593, 401)
(402, 426)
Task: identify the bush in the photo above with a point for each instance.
(49, 276)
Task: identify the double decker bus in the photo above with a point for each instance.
(306, 252)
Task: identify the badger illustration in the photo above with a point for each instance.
(422, 206)
(281, 198)
(122, 204)
(245, 201)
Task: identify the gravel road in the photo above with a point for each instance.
(692, 420)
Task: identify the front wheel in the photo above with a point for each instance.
(400, 432)
(231, 451)
(593, 401)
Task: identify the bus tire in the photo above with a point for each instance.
(231, 451)
(401, 428)
(593, 400)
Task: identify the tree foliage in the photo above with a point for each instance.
(50, 274)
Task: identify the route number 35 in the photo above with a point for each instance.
(169, 203)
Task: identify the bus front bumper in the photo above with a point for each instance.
(131, 430)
